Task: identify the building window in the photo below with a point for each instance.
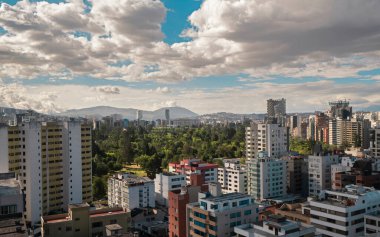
(97, 224)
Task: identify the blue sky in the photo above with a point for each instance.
(221, 64)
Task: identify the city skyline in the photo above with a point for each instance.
(207, 56)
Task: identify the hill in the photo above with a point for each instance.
(129, 113)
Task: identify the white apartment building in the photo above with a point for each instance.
(320, 172)
(166, 182)
(268, 137)
(372, 224)
(129, 192)
(267, 177)
(275, 226)
(341, 213)
(375, 142)
(52, 161)
(233, 177)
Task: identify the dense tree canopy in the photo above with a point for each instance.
(153, 148)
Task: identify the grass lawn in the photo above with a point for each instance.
(134, 169)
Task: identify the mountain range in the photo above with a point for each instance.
(130, 113)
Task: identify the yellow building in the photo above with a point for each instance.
(80, 221)
(52, 160)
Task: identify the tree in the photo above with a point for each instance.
(99, 188)
(151, 164)
(126, 150)
(357, 140)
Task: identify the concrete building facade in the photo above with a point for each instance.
(81, 221)
(272, 138)
(341, 213)
(320, 172)
(195, 166)
(267, 177)
(216, 214)
(129, 192)
(275, 226)
(233, 177)
(166, 182)
(52, 161)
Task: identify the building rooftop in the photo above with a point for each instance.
(114, 227)
(225, 197)
(78, 205)
(132, 180)
(170, 174)
(12, 227)
(9, 187)
(92, 214)
(257, 228)
(348, 196)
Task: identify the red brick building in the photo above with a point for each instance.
(361, 174)
(177, 204)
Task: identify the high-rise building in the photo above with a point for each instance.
(320, 171)
(216, 214)
(129, 192)
(340, 109)
(178, 199)
(297, 176)
(139, 115)
(374, 142)
(321, 129)
(276, 108)
(341, 213)
(352, 132)
(195, 166)
(266, 177)
(310, 134)
(166, 182)
(167, 116)
(52, 160)
(233, 176)
(272, 138)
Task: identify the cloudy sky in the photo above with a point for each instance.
(207, 56)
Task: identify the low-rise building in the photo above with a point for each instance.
(150, 221)
(166, 182)
(341, 213)
(216, 214)
(299, 212)
(191, 166)
(81, 221)
(275, 226)
(361, 174)
(345, 164)
(12, 222)
(233, 176)
(129, 191)
(11, 196)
